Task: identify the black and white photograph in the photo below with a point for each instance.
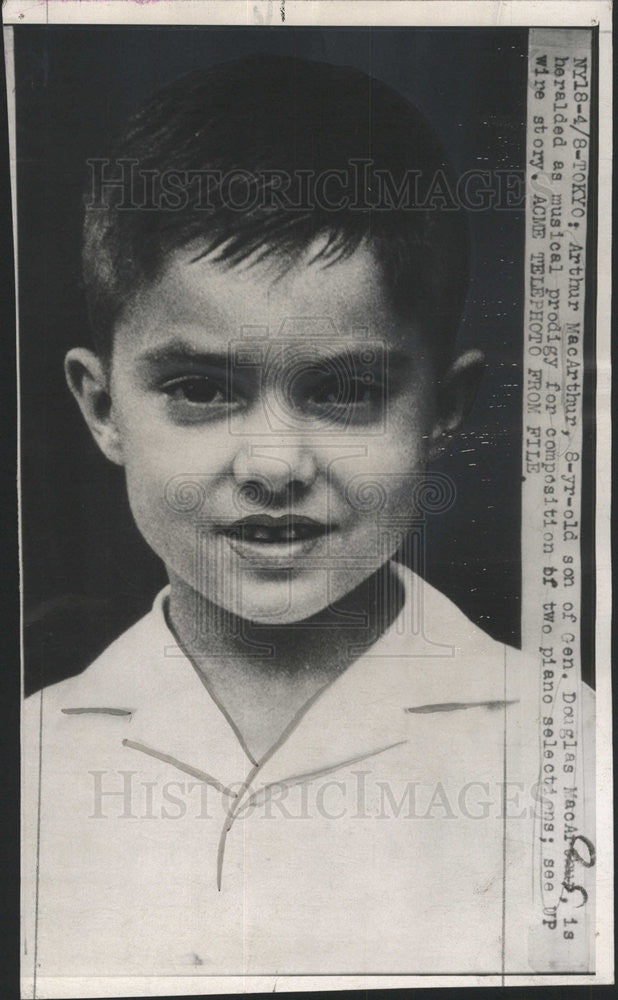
(313, 363)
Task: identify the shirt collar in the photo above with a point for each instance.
(362, 712)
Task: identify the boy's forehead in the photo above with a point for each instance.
(210, 303)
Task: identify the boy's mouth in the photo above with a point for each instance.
(264, 529)
(274, 543)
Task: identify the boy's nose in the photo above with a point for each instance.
(276, 472)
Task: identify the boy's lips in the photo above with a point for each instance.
(274, 540)
(271, 530)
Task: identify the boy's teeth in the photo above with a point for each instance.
(286, 533)
(261, 534)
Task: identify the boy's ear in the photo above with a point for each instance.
(88, 380)
(456, 394)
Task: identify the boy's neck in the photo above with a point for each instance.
(263, 675)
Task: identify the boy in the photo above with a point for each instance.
(297, 761)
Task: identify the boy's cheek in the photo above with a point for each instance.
(395, 464)
(171, 534)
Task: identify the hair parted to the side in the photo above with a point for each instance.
(231, 157)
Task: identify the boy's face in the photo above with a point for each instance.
(273, 428)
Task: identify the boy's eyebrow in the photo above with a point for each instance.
(178, 352)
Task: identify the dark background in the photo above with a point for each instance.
(87, 574)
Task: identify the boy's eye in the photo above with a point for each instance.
(344, 398)
(197, 389)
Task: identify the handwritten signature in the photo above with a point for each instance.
(580, 851)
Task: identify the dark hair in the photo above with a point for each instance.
(260, 132)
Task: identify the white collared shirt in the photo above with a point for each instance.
(373, 839)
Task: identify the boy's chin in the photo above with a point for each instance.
(278, 599)
(282, 604)
(265, 614)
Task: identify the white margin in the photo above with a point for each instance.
(452, 13)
